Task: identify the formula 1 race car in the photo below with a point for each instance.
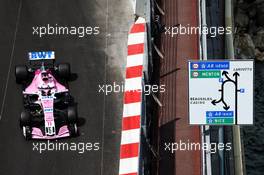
(49, 110)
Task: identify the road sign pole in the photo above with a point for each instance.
(236, 91)
(230, 55)
(221, 152)
(206, 156)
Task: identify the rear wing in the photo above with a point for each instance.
(37, 59)
(38, 56)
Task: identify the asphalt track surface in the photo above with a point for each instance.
(96, 60)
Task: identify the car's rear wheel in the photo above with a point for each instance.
(21, 73)
(64, 70)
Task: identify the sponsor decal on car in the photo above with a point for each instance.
(46, 110)
(44, 55)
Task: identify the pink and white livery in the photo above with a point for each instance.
(50, 111)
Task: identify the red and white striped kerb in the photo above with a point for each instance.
(130, 139)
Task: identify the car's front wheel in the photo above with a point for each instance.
(73, 129)
(72, 114)
(25, 118)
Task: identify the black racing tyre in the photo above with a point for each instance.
(21, 73)
(72, 114)
(64, 70)
(73, 129)
(25, 119)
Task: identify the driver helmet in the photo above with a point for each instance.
(44, 76)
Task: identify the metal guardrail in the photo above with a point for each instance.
(148, 154)
(143, 9)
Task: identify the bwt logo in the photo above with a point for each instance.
(46, 97)
(48, 110)
(41, 55)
